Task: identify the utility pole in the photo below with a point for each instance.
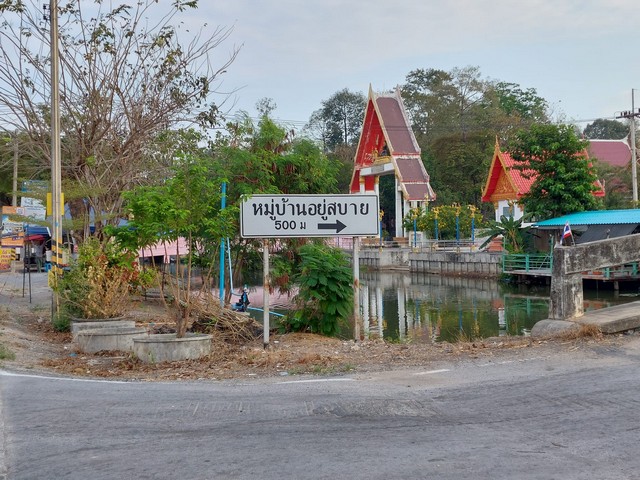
(632, 114)
(14, 199)
(56, 163)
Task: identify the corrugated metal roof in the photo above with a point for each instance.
(596, 217)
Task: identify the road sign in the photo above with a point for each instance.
(278, 216)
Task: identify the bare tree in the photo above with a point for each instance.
(128, 75)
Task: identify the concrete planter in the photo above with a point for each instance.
(166, 347)
(79, 325)
(113, 338)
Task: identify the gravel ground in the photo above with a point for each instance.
(26, 332)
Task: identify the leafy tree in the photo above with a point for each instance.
(266, 158)
(521, 103)
(124, 81)
(444, 103)
(605, 129)
(564, 177)
(456, 116)
(187, 205)
(339, 121)
(458, 166)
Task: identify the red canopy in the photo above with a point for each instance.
(34, 238)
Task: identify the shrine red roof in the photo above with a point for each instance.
(522, 179)
(386, 139)
(616, 153)
(413, 178)
(503, 166)
(394, 124)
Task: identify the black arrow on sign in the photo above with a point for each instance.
(338, 226)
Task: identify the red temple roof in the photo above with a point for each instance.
(505, 182)
(616, 153)
(387, 143)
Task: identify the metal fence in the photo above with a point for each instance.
(527, 262)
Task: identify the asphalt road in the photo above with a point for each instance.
(567, 416)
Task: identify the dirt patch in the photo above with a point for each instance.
(26, 330)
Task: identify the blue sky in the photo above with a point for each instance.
(580, 55)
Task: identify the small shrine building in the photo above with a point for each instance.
(506, 185)
(387, 146)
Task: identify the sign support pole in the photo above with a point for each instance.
(356, 288)
(265, 293)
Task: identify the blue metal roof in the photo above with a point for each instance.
(596, 217)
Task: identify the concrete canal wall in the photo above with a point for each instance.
(468, 264)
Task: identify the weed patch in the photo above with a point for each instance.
(6, 354)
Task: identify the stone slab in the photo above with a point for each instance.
(552, 328)
(618, 318)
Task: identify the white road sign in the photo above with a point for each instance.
(278, 216)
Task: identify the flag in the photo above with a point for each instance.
(567, 231)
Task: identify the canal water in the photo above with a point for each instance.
(433, 308)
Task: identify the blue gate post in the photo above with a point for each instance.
(472, 208)
(380, 215)
(458, 225)
(414, 214)
(223, 204)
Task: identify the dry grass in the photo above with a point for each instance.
(585, 331)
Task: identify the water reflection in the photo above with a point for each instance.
(417, 306)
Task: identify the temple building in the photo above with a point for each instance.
(387, 146)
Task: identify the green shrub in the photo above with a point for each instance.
(99, 282)
(6, 354)
(325, 296)
(61, 323)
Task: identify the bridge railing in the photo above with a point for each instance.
(526, 262)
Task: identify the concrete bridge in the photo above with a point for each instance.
(567, 302)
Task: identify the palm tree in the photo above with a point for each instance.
(512, 231)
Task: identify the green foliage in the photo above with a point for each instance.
(339, 121)
(325, 293)
(6, 353)
(511, 230)
(605, 129)
(618, 184)
(446, 216)
(267, 159)
(456, 116)
(522, 103)
(99, 282)
(458, 164)
(61, 323)
(564, 179)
